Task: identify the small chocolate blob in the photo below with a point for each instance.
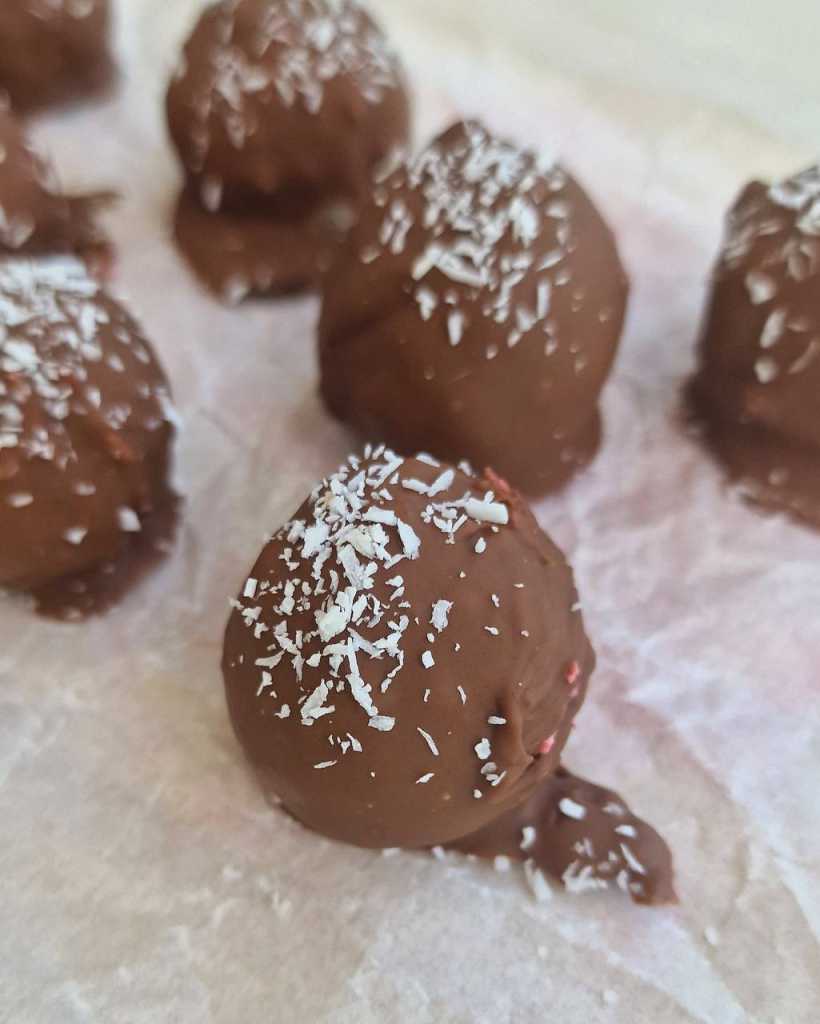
(36, 218)
(86, 427)
(405, 659)
(584, 836)
(279, 111)
(53, 51)
(475, 311)
(757, 389)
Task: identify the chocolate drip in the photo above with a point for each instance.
(584, 836)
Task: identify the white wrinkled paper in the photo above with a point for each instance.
(143, 878)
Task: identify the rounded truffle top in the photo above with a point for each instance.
(405, 658)
(484, 278)
(73, 366)
(286, 94)
(761, 341)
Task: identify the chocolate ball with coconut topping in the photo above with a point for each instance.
(280, 110)
(85, 440)
(35, 216)
(405, 659)
(475, 311)
(53, 50)
(756, 390)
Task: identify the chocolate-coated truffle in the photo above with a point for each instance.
(405, 659)
(53, 50)
(36, 218)
(85, 439)
(757, 390)
(475, 311)
(279, 111)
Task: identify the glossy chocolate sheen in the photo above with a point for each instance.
(85, 431)
(279, 110)
(52, 51)
(240, 253)
(475, 311)
(756, 390)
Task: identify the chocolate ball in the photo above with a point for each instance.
(85, 438)
(280, 109)
(53, 50)
(406, 657)
(35, 216)
(475, 311)
(757, 386)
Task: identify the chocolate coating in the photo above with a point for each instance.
(757, 386)
(404, 663)
(279, 111)
(475, 311)
(36, 218)
(52, 51)
(85, 435)
(584, 836)
(243, 253)
(492, 612)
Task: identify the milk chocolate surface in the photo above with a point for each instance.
(475, 312)
(279, 111)
(404, 662)
(86, 427)
(36, 216)
(53, 51)
(756, 390)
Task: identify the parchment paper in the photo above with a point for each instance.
(142, 877)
